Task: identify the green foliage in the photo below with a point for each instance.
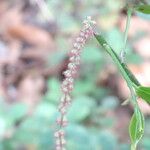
(107, 141)
(36, 131)
(127, 74)
(111, 38)
(144, 93)
(16, 113)
(88, 139)
(79, 134)
(143, 9)
(83, 87)
(96, 55)
(46, 110)
(81, 109)
(136, 128)
(88, 118)
(146, 143)
(53, 95)
(68, 24)
(109, 103)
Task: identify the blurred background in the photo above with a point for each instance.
(34, 42)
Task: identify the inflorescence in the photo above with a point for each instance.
(68, 82)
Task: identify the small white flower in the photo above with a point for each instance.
(67, 73)
(89, 20)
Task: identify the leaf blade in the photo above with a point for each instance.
(143, 9)
(144, 93)
(136, 128)
(130, 75)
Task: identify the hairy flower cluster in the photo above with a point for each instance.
(68, 83)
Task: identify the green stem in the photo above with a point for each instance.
(133, 147)
(131, 81)
(123, 67)
(123, 52)
(124, 74)
(129, 13)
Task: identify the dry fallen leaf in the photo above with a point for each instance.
(31, 35)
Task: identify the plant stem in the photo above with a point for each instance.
(123, 52)
(133, 147)
(124, 74)
(122, 66)
(131, 81)
(129, 13)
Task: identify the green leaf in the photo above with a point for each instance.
(123, 67)
(83, 87)
(143, 9)
(79, 137)
(144, 93)
(16, 112)
(96, 55)
(111, 38)
(107, 140)
(45, 110)
(136, 128)
(52, 94)
(109, 103)
(81, 108)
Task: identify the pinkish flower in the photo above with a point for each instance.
(68, 83)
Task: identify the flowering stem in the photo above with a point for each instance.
(68, 82)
